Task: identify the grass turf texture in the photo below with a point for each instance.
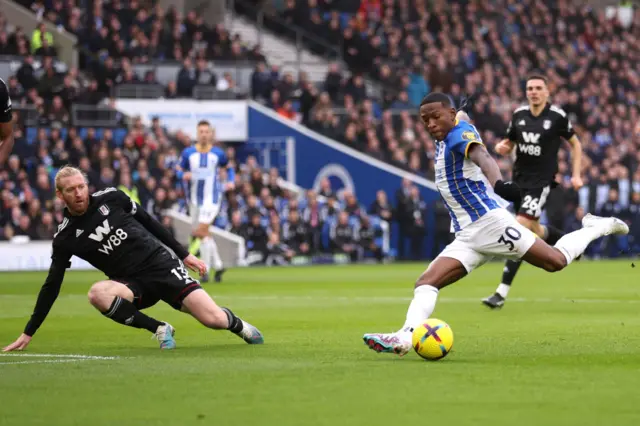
(563, 351)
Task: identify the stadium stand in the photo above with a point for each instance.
(140, 160)
(414, 48)
(590, 57)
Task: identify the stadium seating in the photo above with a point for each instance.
(413, 48)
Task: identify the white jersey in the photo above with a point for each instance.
(204, 188)
(460, 181)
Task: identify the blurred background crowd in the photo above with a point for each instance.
(405, 47)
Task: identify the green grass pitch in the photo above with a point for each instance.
(565, 350)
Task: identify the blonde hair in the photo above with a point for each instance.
(68, 171)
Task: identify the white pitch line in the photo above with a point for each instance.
(69, 356)
(45, 361)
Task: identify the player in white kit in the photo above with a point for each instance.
(483, 228)
(198, 167)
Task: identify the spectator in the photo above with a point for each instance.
(278, 253)
(297, 235)
(366, 237)
(256, 236)
(287, 111)
(333, 82)
(187, 79)
(40, 36)
(260, 82)
(58, 114)
(381, 207)
(344, 237)
(417, 211)
(404, 215)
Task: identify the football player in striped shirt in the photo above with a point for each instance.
(468, 179)
(198, 167)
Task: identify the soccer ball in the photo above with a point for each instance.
(432, 339)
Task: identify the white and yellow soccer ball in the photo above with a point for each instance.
(432, 339)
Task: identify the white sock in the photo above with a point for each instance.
(421, 308)
(574, 244)
(217, 261)
(205, 252)
(503, 290)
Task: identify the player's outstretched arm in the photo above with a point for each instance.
(507, 190)
(576, 162)
(46, 298)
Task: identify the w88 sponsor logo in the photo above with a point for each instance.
(113, 240)
(534, 150)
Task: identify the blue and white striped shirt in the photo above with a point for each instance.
(205, 187)
(460, 181)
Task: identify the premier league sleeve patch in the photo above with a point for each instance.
(469, 136)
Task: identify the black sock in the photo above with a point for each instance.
(235, 323)
(553, 235)
(124, 312)
(510, 269)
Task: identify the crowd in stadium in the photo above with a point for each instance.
(411, 48)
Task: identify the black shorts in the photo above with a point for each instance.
(533, 202)
(167, 279)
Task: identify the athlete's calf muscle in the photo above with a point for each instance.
(202, 307)
(545, 256)
(442, 272)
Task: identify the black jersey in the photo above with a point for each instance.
(108, 236)
(6, 114)
(297, 234)
(342, 234)
(115, 235)
(6, 128)
(538, 140)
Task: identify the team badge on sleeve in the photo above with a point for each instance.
(470, 136)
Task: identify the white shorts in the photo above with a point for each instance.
(496, 234)
(203, 214)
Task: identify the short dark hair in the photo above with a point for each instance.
(537, 76)
(203, 123)
(434, 97)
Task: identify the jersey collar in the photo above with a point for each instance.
(546, 108)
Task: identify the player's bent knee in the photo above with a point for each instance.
(557, 262)
(98, 293)
(554, 262)
(101, 294)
